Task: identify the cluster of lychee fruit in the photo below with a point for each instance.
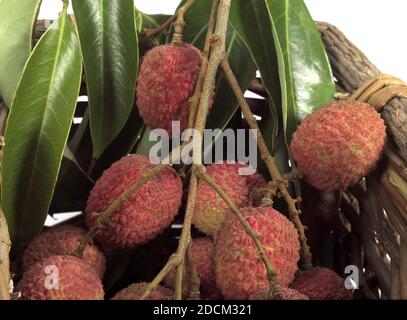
(226, 260)
(334, 147)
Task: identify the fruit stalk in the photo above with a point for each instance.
(5, 245)
(218, 41)
(179, 23)
(194, 100)
(270, 163)
(217, 54)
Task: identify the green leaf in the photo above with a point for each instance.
(144, 144)
(122, 145)
(38, 127)
(251, 21)
(109, 45)
(151, 21)
(305, 74)
(16, 26)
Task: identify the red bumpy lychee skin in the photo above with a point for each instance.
(61, 278)
(285, 294)
(321, 284)
(166, 81)
(135, 292)
(145, 213)
(339, 144)
(238, 268)
(62, 240)
(210, 208)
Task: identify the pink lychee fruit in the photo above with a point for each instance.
(285, 294)
(136, 291)
(239, 270)
(339, 144)
(62, 240)
(321, 284)
(145, 213)
(61, 278)
(166, 82)
(210, 208)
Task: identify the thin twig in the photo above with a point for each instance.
(270, 162)
(5, 245)
(209, 82)
(194, 100)
(217, 54)
(179, 23)
(152, 33)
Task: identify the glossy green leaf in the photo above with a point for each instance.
(305, 74)
(109, 45)
(122, 145)
(144, 144)
(38, 127)
(252, 23)
(16, 26)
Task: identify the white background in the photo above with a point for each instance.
(377, 27)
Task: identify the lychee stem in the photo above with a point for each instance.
(270, 162)
(271, 274)
(5, 246)
(216, 56)
(194, 100)
(152, 33)
(179, 23)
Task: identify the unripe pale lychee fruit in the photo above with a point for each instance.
(238, 268)
(210, 208)
(135, 292)
(61, 278)
(145, 213)
(202, 257)
(321, 284)
(62, 240)
(166, 82)
(286, 294)
(339, 144)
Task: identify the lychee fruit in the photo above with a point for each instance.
(145, 213)
(202, 258)
(166, 82)
(210, 208)
(286, 294)
(62, 240)
(61, 278)
(238, 268)
(339, 144)
(135, 292)
(321, 284)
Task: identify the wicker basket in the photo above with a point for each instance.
(375, 211)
